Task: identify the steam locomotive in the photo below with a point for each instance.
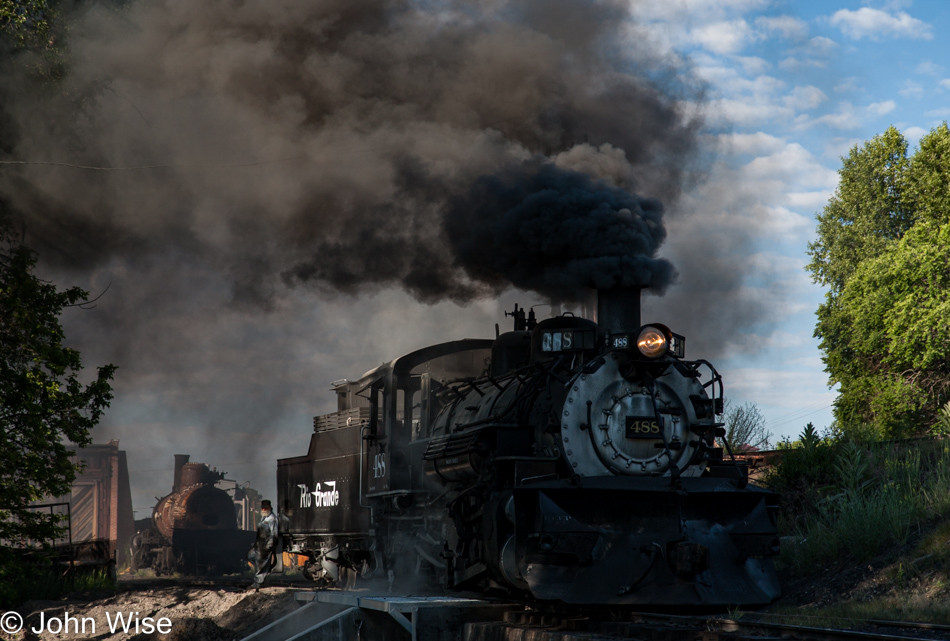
(565, 461)
(194, 529)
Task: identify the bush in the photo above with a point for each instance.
(28, 576)
(844, 500)
(805, 468)
(942, 426)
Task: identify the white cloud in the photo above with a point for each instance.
(747, 112)
(847, 85)
(794, 166)
(913, 135)
(810, 200)
(722, 77)
(804, 98)
(912, 89)
(798, 64)
(784, 221)
(705, 10)
(749, 102)
(929, 68)
(881, 108)
(758, 143)
(779, 387)
(876, 24)
(840, 147)
(786, 26)
(847, 116)
(753, 66)
(945, 83)
(816, 52)
(938, 113)
(723, 37)
(822, 46)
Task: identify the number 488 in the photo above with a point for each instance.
(379, 466)
(644, 427)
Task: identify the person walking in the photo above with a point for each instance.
(263, 552)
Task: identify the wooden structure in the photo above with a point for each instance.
(100, 503)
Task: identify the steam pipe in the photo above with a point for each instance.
(618, 310)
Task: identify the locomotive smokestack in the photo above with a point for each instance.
(618, 310)
(180, 460)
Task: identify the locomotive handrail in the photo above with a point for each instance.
(716, 376)
(471, 383)
(511, 406)
(743, 480)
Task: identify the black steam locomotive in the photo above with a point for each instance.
(565, 461)
(193, 530)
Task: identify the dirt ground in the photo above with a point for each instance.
(206, 613)
(229, 613)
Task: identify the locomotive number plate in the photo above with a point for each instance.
(642, 427)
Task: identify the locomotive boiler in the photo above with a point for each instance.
(194, 528)
(565, 461)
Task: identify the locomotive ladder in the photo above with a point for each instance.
(334, 615)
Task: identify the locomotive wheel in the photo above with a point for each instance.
(138, 559)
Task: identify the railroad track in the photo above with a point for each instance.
(664, 627)
(130, 583)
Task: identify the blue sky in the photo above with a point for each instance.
(793, 86)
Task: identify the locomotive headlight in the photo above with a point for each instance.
(652, 342)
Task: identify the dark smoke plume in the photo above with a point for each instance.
(558, 233)
(258, 158)
(289, 134)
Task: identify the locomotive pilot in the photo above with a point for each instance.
(263, 552)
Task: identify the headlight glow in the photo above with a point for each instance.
(652, 342)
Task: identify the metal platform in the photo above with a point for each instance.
(333, 615)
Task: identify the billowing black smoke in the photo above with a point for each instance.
(533, 226)
(557, 232)
(326, 142)
(270, 170)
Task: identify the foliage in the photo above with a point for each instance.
(883, 251)
(868, 209)
(745, 427)
(942, 426)
(860, 499)
(24, 578)
(38, 29)
(43, 405)
(806, 466)
(27, 23)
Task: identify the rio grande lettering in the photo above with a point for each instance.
(318, 497)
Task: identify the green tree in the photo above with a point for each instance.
(27, 24)
(869, 208)
(35, 32)
(745, 427)
(882, 249)
(44, 408)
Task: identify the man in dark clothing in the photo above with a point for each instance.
(263, 553)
